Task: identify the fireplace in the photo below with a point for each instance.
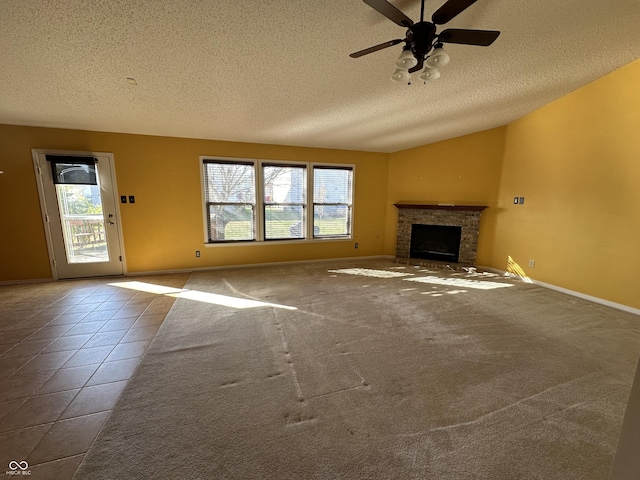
(448, 226)
(435, 242)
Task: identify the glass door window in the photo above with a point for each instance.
(80, 206)
(82, 223)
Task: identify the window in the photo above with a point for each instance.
(332, 192)
(285, 200)
(230, 200)
(292, 201)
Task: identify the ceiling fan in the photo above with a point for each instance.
(422, 43)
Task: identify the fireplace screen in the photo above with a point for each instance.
(435, 242)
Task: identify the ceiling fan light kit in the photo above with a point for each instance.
(429, 74)
(421, 39)
(438, 58)
(406, 60)
(401, 75)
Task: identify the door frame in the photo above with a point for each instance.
(43, 206)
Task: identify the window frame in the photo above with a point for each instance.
(259, 218)
(206, 204)
(263, 207)
(313, 203)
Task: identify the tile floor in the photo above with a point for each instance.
(67, 350)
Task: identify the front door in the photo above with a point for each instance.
(78, 199)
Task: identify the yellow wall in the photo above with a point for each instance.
(577, 163)
(464, 171)
(164, 227)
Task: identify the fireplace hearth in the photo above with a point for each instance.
(442, 233)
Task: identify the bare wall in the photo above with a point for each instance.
(577, 163)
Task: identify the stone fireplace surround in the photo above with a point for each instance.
(465, 216)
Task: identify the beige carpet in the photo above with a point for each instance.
(373, 370)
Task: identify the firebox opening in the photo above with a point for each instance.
(435, 242)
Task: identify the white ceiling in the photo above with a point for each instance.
(279, 72)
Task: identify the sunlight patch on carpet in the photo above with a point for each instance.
(368, 272)
(198, 296)
(460, 282)
(226, 300)
(440, 293)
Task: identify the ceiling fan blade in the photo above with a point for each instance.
(375, 48)
(450, 10)
(483, 38)
(389, 11)
(419, 66)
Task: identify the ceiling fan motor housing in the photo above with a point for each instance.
(420, 38)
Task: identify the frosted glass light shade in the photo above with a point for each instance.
(438, 58)
(429, 74)
(401, 75)
(406, 60)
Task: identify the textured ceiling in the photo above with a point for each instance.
(279, 72)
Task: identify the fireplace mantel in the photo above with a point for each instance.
(439, 206)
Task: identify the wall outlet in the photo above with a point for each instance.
(197, 253)
(532, 263)
(356, 245)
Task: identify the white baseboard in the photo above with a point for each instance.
(583, 296)
(255, 265)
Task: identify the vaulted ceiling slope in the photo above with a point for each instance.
(279, 72)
